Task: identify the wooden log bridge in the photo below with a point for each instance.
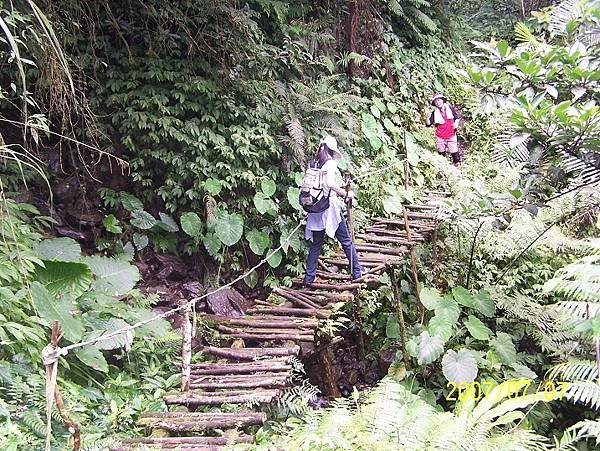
(271, 332)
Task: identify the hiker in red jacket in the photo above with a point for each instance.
(446, 120)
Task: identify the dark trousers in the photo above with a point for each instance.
(343, 236)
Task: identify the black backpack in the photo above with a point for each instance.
(312, 191)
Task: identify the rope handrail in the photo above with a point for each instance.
(64, 350)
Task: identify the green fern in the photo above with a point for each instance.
(389, 417)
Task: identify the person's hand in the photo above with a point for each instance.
(350, 195)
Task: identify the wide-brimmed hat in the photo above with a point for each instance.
(437, 96)
(332, 145)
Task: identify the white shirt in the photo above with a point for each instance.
(328, 220)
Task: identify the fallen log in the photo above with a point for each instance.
(224, 397)
(251, 353)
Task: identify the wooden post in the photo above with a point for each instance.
(400, 315)
(413, 263)
(328, 379)
(413, 256)
(72, 427)
(357, 318)
(186, 350)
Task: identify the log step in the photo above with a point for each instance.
(200, 421)
(264, 322)
(203, 398)
(145, 447)
(269, 380)
(251, 353)
(184, 443)
(329, 286)
(271, 366)
(291, 311)
(271, 337)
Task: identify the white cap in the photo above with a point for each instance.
(331, 143)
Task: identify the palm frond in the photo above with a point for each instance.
(563, 13)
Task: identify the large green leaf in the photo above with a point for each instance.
(462, 296)
(459, 366)
(264, 205)
(251, 279)
(392, 328)
(505, 348)
(59, 249)
(112, 225)
(447, 308)
(483, 303)
(93, 358)
(62, 277)
(268, 187)
(140, 240)
(104, 326)
(430, 348)
(430, 298)
(477, 329)
(130, 202)
(275, 260)
(293, 194)
(293, 242)
(167, 223)
(229, 228)
(213, 186)
(157, 328)
(191, 223)
(142, 220)
(212, 244)
(64, 310)
(440, 326)
(258, 240)
(114, 277)
(392, 204)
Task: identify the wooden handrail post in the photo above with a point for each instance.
(186, 349)
(400, 316)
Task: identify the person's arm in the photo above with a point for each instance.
(430, 120)
(331, 183)
(457, 116)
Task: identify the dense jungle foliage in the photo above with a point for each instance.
(152, 150)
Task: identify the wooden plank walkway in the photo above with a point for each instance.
(253, 376)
